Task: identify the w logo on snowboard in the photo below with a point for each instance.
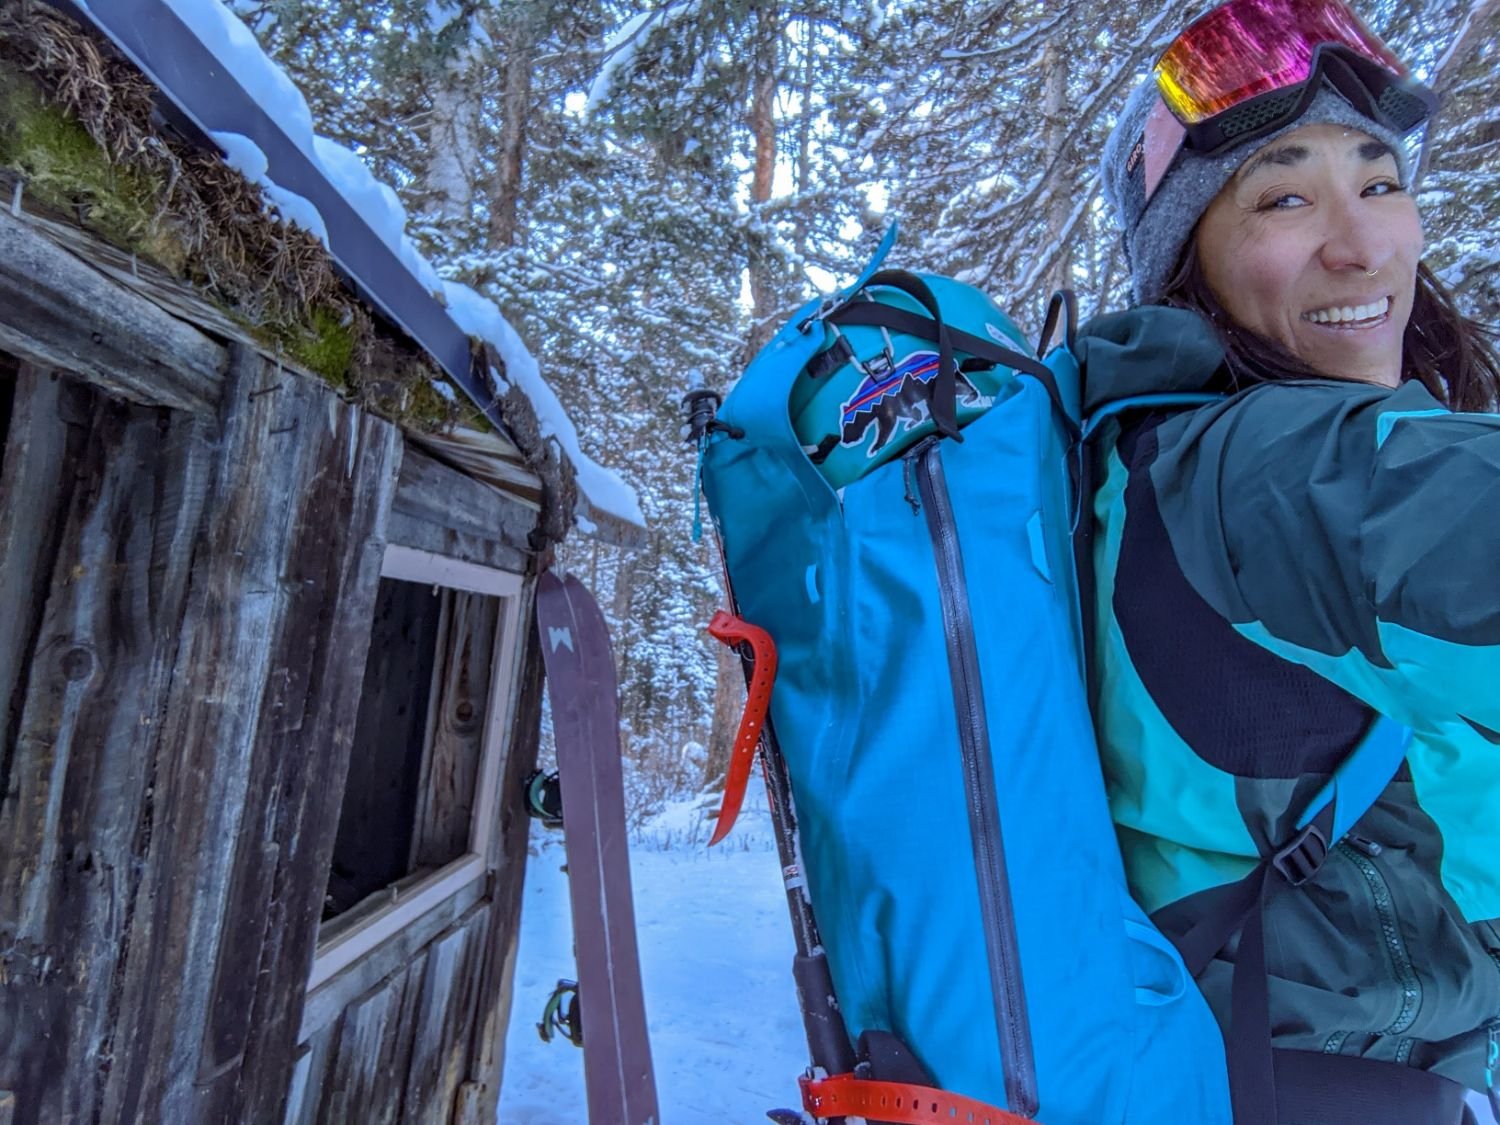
(560, 638)
(902, 394)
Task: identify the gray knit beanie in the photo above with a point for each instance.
(1156, 231)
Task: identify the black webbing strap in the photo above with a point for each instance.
(944, 402)
(829, 361)
(1241, 909)
(1062, 308)
(876, 314)
(1348, 1090)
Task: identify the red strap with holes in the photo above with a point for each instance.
(843, 1095)
(733, 631)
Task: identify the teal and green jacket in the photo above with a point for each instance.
(1273, 569)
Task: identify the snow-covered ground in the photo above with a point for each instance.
(716, 957)
(716, 963)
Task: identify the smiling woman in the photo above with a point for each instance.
(1296, 579)
(1314, 244)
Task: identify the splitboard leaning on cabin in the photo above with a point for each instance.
(890, 484)
(604, 1010)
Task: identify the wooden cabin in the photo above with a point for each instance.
(270, 686)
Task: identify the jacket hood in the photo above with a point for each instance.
(1152, 349)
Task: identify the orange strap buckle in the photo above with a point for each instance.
(844, 1095)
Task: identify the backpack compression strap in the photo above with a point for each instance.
(900, 1103)
(944, 403)
(1240, 908)
(876, 314)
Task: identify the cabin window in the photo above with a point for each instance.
(419, 803)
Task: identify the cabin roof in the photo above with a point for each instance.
(218, 89)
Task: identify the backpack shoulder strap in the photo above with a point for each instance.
(1361, 777)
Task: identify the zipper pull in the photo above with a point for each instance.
(1364, 844)
(908, 464)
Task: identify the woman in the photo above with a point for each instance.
(1305, 564)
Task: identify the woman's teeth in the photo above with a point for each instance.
(1348, 314)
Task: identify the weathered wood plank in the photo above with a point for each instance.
(410, 531)
(468, 1105)
(38, 448)
(466, 513)
(203, 769)
(508, 859)
(308, 1075)
(296, 1091)
(254, 662)
(444, 1019)
(366, 1081)
(207, 738)
(488, 456)
(327, 1002)
(335, 508)
(457, 721)
(62, 313)
(76, 816)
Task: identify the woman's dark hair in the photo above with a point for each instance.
(1451, 355)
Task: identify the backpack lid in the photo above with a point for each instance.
(869, 393)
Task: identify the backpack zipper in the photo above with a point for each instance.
(1385, 909)
(996, 909)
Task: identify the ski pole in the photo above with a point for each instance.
(828, 1045)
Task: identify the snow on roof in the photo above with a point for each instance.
(478, 316)
(238, 51)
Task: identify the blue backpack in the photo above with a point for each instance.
(931, 708)
(896, 491)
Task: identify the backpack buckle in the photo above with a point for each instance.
(1302, 858)
(826, 308)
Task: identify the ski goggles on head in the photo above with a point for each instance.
(1249, 67)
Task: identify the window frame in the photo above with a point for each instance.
(365, 928)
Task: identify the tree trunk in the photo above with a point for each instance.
(453, 138)
(763, 130)
(515, 111)
(729, 687)
(1477, 30)
(729, 704)
(804, 136)
(1059, 205)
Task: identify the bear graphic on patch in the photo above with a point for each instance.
(902, 393)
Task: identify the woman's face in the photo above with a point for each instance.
(1315, 243)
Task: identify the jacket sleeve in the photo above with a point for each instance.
(1353, 529)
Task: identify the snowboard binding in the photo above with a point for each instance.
(560, 1016)
(544, 797)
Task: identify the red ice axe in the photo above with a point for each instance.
(734, 631)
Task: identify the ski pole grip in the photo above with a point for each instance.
(734, 631)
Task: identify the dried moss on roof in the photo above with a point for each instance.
(76, 123)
